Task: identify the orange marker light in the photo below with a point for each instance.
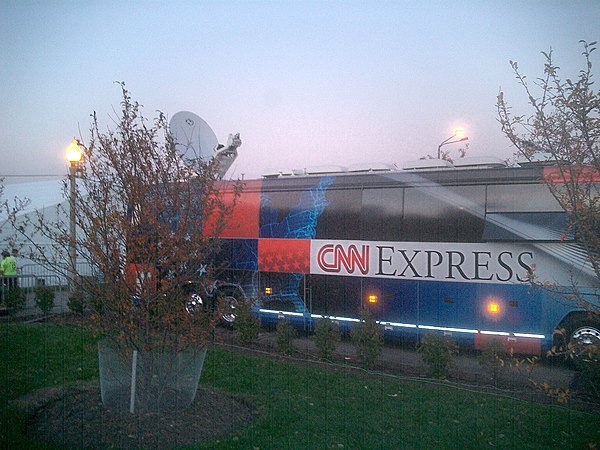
(268, 291)
(494, 308)
(372, 298)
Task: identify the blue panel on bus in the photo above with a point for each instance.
(239, 254)
(490, 307)
(280, 219)
(397, 302)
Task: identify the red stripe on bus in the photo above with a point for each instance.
(284, 255)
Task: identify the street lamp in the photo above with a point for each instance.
(457, 134)
(73, 154)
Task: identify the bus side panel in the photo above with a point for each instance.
(335, 296)
(395, 303)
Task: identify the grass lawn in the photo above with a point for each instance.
(302, 406)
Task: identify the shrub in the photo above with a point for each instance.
(367, 339)
(493, 357)
(587, 362)
(438, 353)
(285, 334)
(44, 299)
(14, 300)
(327, 335)
(246, 323)
(76, 302)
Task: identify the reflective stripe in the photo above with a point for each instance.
(496, 333)
(396, 324)
(527, 335)
(409, 325)
(457, 330)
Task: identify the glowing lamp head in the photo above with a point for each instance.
(372, 299)
(268, 291)
(73, 152)
(459, 132)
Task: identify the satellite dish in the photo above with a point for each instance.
(194, 139)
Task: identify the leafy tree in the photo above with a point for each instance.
(563, 127)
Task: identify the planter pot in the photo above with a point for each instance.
(148, 381)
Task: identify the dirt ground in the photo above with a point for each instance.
(74, 417)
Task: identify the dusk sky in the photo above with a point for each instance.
(304, 83)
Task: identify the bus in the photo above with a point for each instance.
(481, 253)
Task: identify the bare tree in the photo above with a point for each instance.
(142, 215)
(563, 128)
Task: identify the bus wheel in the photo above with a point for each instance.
(228, 303)
(584, 342)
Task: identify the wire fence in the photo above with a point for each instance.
(31, 276)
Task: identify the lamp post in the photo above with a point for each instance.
(73, 154)
(457, 133)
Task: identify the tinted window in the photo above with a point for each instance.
(341, 218)
(527, 227)
(382, 214)
(521, 198)
(340, 296)
(294, 214)
(444, 214)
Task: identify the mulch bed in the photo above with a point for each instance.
(74, 417)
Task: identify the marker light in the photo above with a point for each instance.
(494, 308)
(372, 298)
(268, 291)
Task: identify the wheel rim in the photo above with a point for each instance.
(229, 308)
(193, 304)
(586, 335)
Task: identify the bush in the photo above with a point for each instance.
(285, 334)
(76, 302)
(493, 357)
(367, 339)
(438, 353)
(14, 299)
(44, 299)
(246, 323)
(587, 362)
(327, 335)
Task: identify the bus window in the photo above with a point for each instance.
(382, 214)
(521, 198)
(538, 226)
(444, 214)
(341, 217)
(336, 296)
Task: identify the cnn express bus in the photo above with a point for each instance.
(452, 251)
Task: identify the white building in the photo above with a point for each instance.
(45, 198)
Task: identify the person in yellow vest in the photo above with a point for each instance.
(8, 271)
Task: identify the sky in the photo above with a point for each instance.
(305, 83)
